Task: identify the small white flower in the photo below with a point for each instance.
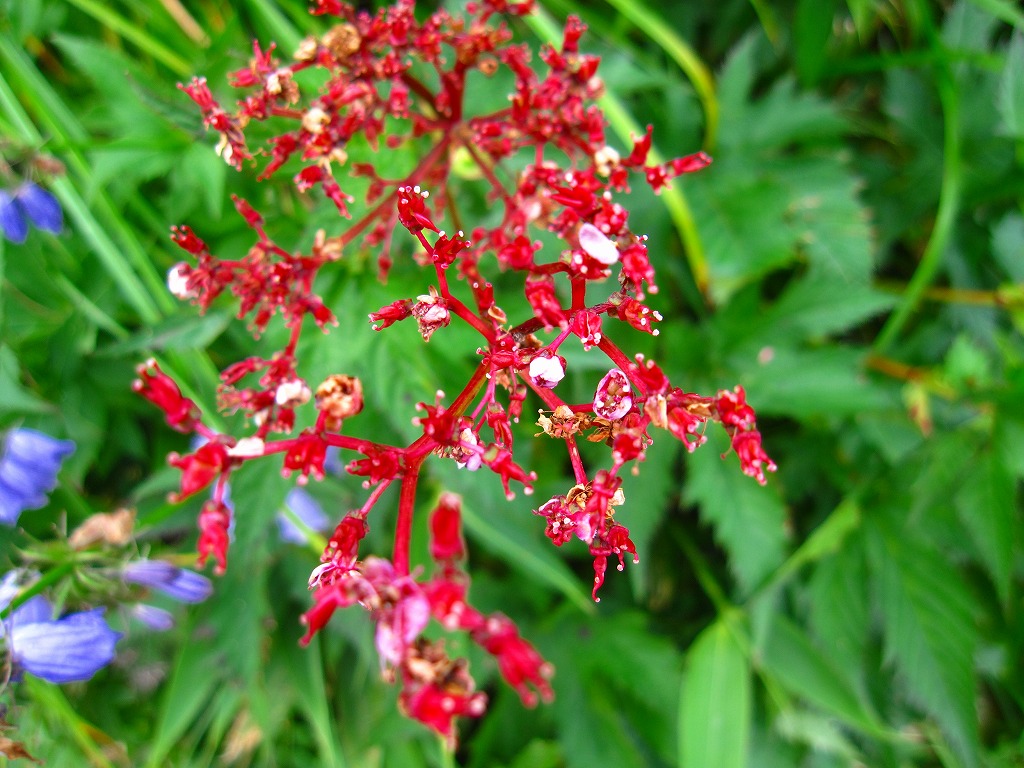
(598, 245)
(314, 120)
(605, 159)
(177, 281)
(546, 371)
(247, 447)
(292, 393)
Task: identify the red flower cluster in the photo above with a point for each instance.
(389, 76)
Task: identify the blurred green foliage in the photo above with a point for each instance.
(854, 258)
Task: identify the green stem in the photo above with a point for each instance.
(48, 579)
(134, 33)
(949, 206)
(683, 55)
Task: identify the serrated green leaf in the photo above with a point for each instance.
(748, 519)
(715, 707)
(740, 217)
(824, 540)
(930, 633)
(986, 506)
(828, 381)
(839, 593)
(806, 671)
(765, 204)
(814, 308)
(1011, 89)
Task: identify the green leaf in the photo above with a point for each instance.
(766, 203)
(1008, 234)
(824, 540)
(812, 33)
(829, 381)
(839, 612)
(715, 709)
(14, 398)
(749, 520)
(810, 309)
(986, 506)
(1011, 90)
(806, 671)
(930, 633)
(193, 683)
(178, 332)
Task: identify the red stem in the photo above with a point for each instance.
(415, 455)
(619, 358)
(406, 506)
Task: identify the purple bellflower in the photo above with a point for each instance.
(65, 650)
(29, 462)
(30, 203)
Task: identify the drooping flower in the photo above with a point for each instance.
(29, 203)
(29, 463)
(65, 650)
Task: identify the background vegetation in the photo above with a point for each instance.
(860, 235)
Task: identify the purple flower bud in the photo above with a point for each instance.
(188, 587)
(12, 218)
(64, 650)
(29, 464)
(149, 573)
(155, 618)
(179, 583)
(308, 510)
(41, 207)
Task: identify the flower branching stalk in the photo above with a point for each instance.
(393, 79)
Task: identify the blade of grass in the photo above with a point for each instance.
(135, 34)
(87, 308)
(51, 699)
(949, 206)
(1003, 10)
(683, 55)
(128, 282)
(281, 28)
(130, 265)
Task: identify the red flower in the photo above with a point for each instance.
(200, 468)
(156, 386)
(518, 661)
(306, 455)
(446, 545)
(753, 459)
(214, 536)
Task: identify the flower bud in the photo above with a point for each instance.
(614, 396)
(598, 245)
(338, 398)
(547, 370)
